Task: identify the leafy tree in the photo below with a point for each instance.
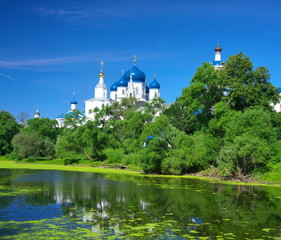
(244, 155)
(126, 125)
(247, 87)
(8, 129)
(44, 127)
(91, 140)
(32, 145)
(74, 120)
(161, 129)
(153, 156)
(88, 139)
(248, 142)
(237, 84)
(163, 141)
(66, 146)
(180, 118)
(155, 106)
(203, 93)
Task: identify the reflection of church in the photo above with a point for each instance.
(131, 84)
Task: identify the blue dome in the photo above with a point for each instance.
(113, 87)
(138, 75)
(71, 113)
(122, 82)
(154, 84)
(73, 101)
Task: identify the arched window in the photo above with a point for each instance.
(123, 91)
(131, 95)
(155, 94)
(115, 96)
(137, 91)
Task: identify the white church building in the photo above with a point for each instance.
(131, 84)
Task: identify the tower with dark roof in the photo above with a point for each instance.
(37, 114)
(218, 63)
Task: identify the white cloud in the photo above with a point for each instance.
(8, 77)
(28, 64)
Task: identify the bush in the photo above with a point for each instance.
(244, 155)
(70, 161)
(132, 159)
(151, 162)
(172, 165)
(35, 159)
(28, 145)
(274, 175)
(114, 156)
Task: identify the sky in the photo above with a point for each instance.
(50, 49)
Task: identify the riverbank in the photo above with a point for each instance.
(80, 168)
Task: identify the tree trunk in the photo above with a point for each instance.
(87, 155)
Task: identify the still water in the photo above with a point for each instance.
(37, 204)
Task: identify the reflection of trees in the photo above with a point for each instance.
(123, 205)
(151, 207)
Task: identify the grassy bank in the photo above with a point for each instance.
(48, 166)
(79, 168)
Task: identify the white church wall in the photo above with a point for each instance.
(153, 93)
(121, 93)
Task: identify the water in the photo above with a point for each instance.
(37, 204)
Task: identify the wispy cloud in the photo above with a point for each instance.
(52, 95)
(83, 13)
(46, 61)
(112, 9)
(132, 9)
(7, 77)
(29, 64)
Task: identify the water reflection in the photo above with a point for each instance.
(113, 206)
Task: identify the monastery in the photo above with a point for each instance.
(132, 84)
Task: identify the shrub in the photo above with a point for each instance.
(151, 162)
(132, 159)
(114, 156)
(70, 161)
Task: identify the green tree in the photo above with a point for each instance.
(89, 140)
(32, 145)
(180, 118)
(248, 142)
(247, 87)
(44, 127)
(203, 93)
(8, 129)
(74, 120)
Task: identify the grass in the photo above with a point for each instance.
(274, 175)
(78, 168)
(54, 165)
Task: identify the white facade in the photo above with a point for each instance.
(99, 100)
(132, 84)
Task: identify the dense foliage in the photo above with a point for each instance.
(8, 129)
(223, 121)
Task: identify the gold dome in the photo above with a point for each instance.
(101, 75)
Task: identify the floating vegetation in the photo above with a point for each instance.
(6, 191)
(64, 205)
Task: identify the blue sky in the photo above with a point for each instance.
(48, 49)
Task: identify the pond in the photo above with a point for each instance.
(37, 204)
